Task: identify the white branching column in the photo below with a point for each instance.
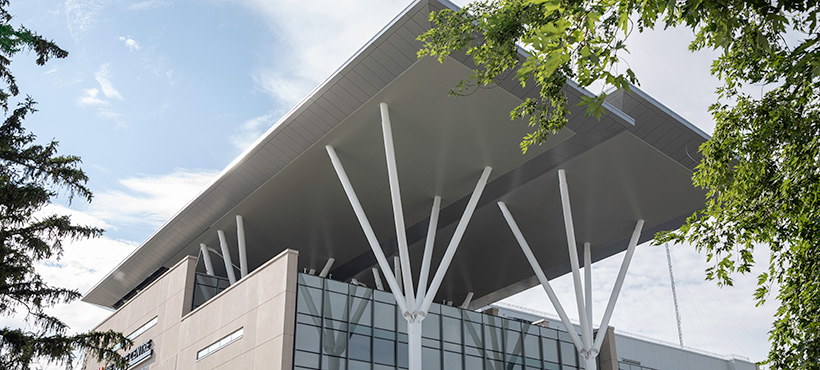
(413, 303)
(587, 344)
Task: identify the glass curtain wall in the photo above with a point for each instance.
(341, 326)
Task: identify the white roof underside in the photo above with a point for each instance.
(635, 163)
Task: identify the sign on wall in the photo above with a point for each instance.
(137, 356)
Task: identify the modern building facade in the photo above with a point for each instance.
(279, 318)
(295, 256)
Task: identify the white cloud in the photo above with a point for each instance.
(112, 115)
(149, 4)
(252, 129)
(91, 97)
(722, 320)
(103, 78)
(82, 15)
(132, 44)
(149, 200)
(314, 38)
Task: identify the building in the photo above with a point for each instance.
(312, 196)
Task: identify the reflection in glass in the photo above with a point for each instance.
(550, 348)
(472, 334)
(306, 359)
(333, 363)
(452, 361)
(430, 326)
(335, 306)
(358, 365)
(307, 337)
(346, 327)
(310, 301)
(568, 354)
(359, 346)
(451, 329)
(531, 348)
(512, 342)
(472, 362)
(384, 351)
(360, 311)
(384, 316)
(492, 338)
(430, 359)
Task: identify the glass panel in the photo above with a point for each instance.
(338, 325)
(550, 348)
(551, 366)
(473, 363)
(452, 361)
(310, 280)
(310, 301)
(307, 338)
(430, 359)
(384, 297)
(360, 291)
(384, 351)
(450, 311)
(402, 354)
(471, 316)
(383, 367)
(363, 330)
(562, 335)
(359, 347)
(452, 347)
(307, 319)
(336, 286)
(531, 346)
(568, 354)
(493, 320)
(333, 363)
(513, 342)
(451, 329)
(336, 306)
(430, 327)
(334, 342)
(472, 334)
(401, 322)
(515, 363)
(495, 356)
(384, 316)
(358, 365)
(549, 333)
(474, 351)
(432, 343)
(360, 311)
(532, 362)
(385, 334)
(493, 364)
(307, 359)
(492, 338)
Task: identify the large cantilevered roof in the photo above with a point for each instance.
(634, 163)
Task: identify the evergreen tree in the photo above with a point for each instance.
(31, 176)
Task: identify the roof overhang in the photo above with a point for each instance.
(635, 163)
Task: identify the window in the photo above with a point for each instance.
(216, 346)
(140, 330)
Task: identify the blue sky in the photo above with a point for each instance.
(158, 96)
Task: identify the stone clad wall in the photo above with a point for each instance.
(263, 304)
